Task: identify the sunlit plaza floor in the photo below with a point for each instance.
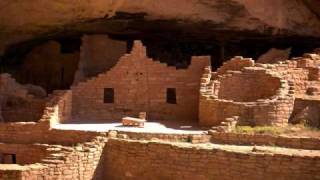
(150, 127)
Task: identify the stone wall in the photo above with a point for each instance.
(63, 162)
(98, 54)
(127, 159)
(223, 91)
(266, 140)
(255, 95)
(291, 72)
(92, 157)
(140, 85)
(248, 86)
(154, 160)
(18, 172)
(19, 110)
(25, 153)
(178, 137)
(59, 107)
(235, 64)
(70, 155)
(26, 133)
(47, 66)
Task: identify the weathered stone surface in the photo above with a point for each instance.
(309, 115)
(140, 84)
(238, 88)
(98, 54)
(21, 20)
(17, 104)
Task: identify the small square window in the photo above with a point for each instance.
(8, 158)
(108, 96)
(171, 96)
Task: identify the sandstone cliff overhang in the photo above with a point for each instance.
(24, 20)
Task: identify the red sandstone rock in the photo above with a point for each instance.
(21, 20)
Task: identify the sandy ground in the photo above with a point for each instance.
(150, 127)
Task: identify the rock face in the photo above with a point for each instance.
(22, 20)
(16, 102)
(274, 55)
(309, 115)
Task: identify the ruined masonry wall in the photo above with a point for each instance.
(48, 66)
(221, 98)
(221, 91)
(83, 161)
(25, 153)
(153, 160)
(289, 71)
(140, 85)
(235, 64)
(29, 110)
(26, 133)
(98, 53)
(248, 87)
(59, 107)
(266, 140)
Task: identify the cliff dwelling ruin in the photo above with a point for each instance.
(160, 90)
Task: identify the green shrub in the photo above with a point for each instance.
(272, 130)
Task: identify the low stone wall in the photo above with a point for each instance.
(18, 172)
(27, 133)
(154, 160)
(80, 162)
(281, 141)
(25, 153)
(193, 138)
(57, 110)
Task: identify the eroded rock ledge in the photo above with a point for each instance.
(23, 20)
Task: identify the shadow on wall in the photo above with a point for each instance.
(99, 53)
(48, 67)
(20, 103)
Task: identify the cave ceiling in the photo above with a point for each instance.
(22, 20)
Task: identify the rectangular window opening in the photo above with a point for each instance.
(171, 96)
(8, 158)
(108, 95)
